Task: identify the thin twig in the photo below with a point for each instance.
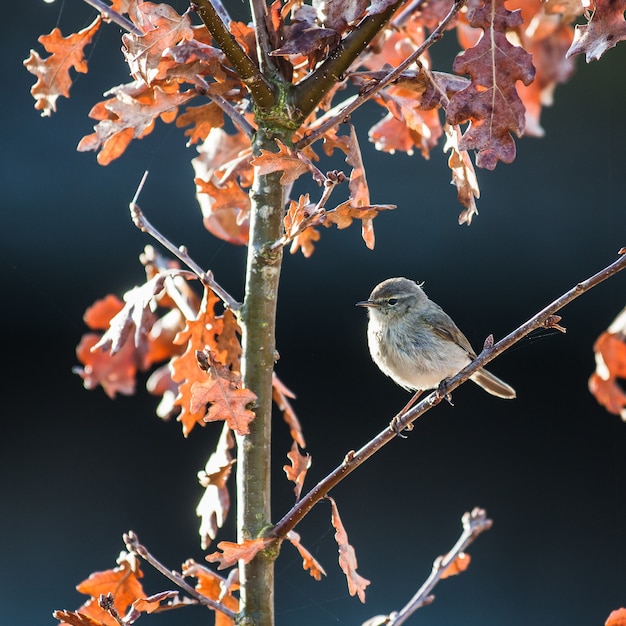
(373, 89)
(258, 8)
(142, 223)
(330, 182)
(132, 545)
(474, 524)
(236, 117)
(353, 459)
(114, 16)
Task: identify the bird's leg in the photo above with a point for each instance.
(442, 392)
(395, 422)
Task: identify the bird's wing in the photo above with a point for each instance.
(442, 325)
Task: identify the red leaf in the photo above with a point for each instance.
(53, 73)
(610, 354)
(347, 557)
(490, 103)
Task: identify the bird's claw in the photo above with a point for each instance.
(442, 393)
(396, 426)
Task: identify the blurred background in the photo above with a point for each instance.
(78, 469)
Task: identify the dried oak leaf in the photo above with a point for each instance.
(213, 586)
(459, 565)
(308, 560)
(202, 119)
(150, 605)
(226, 399)
(74, 618)
(215, 502)
(490, 103)
(163, 28)
(122, 582)
(53, 72)
(137, 317)
(606, 27)
(610, 354)
(281, 395)
(463, 174)
(130, 114)
(197, 334)
(233, 552)
(616, 618)
(340, 14)
(296, 472)
(223, 172)
(347, 557)
(285, 160)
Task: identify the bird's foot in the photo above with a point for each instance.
(442, 394)
(396, 426)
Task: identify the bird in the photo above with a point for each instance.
(415, 342)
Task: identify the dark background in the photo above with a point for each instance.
(79, 469)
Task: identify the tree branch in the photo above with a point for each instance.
(372, 90)
(308, 93)
(140, 221)
(474, 524)
(114, 16)
(259, 87)
(258, 9)
(354, 459)
(132, 545)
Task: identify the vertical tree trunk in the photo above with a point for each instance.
(258, 343)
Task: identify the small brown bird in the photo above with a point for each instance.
(416, 343)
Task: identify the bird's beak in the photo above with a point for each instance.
(366, 303)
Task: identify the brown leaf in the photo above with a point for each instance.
(53, 72)
(148, 605)
(74, 618)
(285, 160)
(130, 114)
(606, 27)
(463, 174)
(163, 28)
(114, 373)
(490, 103)
(347, 557)
(211, 585)
(610, 355)
(296, 472)
(233, 552)
(215, 502)
(98, 315)
(309, 562)
(136, 317)
(203, 119)
(225, 398)
(223, 171)
(459, 565)
(281, 395)
(616, 618)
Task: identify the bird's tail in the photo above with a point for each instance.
(493, 385)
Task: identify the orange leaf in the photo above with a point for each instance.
(148, 605)
(285, 160)
(212, 586)
(281, 395)
(490, 103)
(610, 355)
(616, 618)
(233, 552)
(459, 565)
(163, 28)
(309, 562)
(203, 118)
(129, 115)
(53, 73)
(98, 315)
(197, 335)
(347, 557)
(74, 618)
(215, 502)
(296, 472)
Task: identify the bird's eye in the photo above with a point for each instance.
(392, 301)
